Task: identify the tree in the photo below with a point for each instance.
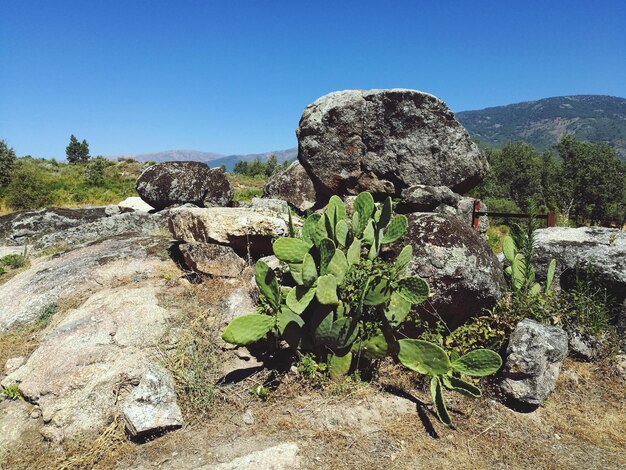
(271, 165)
(77, 152)
(7, 161)
(593, 180)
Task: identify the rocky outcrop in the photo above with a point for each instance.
(97, 352)
(279, 457)
(47, 228)
(245, 230)
(385, 141)
(465, 278)
(534, 357)
(175, 183)
(292, 185)
(212, 260)
(26, 296)
(20, 227)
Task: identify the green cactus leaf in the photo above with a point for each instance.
(338, 266)
(478, 363)
(327, 251)
(436, 391)
(508, 248)
(550, 275)
(458, 385)
(354, 252)
(291, 250)
(290, 327)
(322, 325)
(295, 270)
(375, 348)
(341, 233)
(535, 290)
(339, 366)
(300, 297)
(378, 294)
(320, 232)
(309, 270)
(397, 229)
(397, 310)
(326, 291)
(385, 213)
(248, 329)
(267, 282)
(344, 334)
(292, 230)
(335, 210)
(423, 357)
(372, 254)
(369, 234)
(404, 259)
(364, 205)
(414, 289)
(355, 224)
(309, 226)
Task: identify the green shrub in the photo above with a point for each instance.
(29, 189)
(13, 261)
(337, 304)
(11, 392)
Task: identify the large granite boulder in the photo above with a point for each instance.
(384, 141)
(465, 278)
(422, 198)
(534, 357)
(173, 183)
(597, 254)
(211, 260)
(292, 185)
(247, 231)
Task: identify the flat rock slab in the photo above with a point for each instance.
(211, 259)
(24, 297)
(98, 351)
(384, 141)
(245, 230)
(280, 457)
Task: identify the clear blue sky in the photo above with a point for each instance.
(233, 76)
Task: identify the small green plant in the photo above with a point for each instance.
(2, 270)
(429, 359)
(47, 312)
(12, 392)
(13, 261)
(261, 392)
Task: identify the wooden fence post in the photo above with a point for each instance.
(475, 217)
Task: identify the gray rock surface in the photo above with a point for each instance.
(13, 364)
(211, 259)
(49, 280)
(151, 406)
(276, 205)
(171, 183)
(534, 357)
(384, 141)
(603, 250)
(92, 356)
(19, 227)
(464, 276)
(245, 230)
(293, 185)
(49, 228)
(421, 198)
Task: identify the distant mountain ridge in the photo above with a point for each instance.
(212, 159)
(541, 123)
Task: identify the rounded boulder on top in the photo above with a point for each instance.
(384, 141)
(171, 183)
